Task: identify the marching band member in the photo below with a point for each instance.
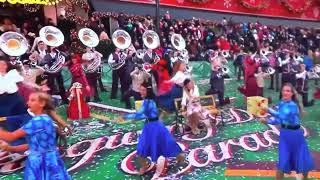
(39, 50)
(92, 77)
(43, 160)
(217, 84)
(294, 154)
(49, 60)
(302, 86)
(138, 76)
(155, 140)
(260, 76)
(288, 71)
(118, 74)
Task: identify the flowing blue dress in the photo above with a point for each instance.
(44, 162)
(155, 140)
(294, 154)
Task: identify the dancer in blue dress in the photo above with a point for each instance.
(294, 154)
(155, 140)
(44, 162)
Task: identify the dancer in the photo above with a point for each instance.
(44, 160)
(293, 150)
(166, 101)
(155, 140)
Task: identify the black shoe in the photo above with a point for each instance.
(271, 88)
(113, 97)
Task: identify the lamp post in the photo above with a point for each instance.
(157, 16)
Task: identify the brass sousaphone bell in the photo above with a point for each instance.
(151, 39)
(13, 44)
(121, 39)
(178, 42)
(88, 37)
(51, 36)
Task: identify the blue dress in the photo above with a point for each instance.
(17, 122)
(44, 162)
(155, 140)
(294, 154)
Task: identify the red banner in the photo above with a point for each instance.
(290, 9)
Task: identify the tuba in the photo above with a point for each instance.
(90, 39)
(122, 40)
(58, 64)
(151, 39)
(53, 37)
(13, 44)
(178, 42)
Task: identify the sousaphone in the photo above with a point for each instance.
(51, 36)
(121, 39)
(151, 39)
(178, 42)
(13, 44)
(88, 37)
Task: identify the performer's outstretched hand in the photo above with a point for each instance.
(3, 119)
(263, 121)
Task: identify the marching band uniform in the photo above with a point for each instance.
(118, 74)
(217, 85)
(50, 59)
(302, 86)
(92, 77)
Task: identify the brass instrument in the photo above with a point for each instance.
(90, 39)
(13, 44)
(122, 40)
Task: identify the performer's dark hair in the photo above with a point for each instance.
(150, 94)
(186, 81)
(295, 96)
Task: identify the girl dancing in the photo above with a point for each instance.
(293, 149)
(155, 140)
(43, 161)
